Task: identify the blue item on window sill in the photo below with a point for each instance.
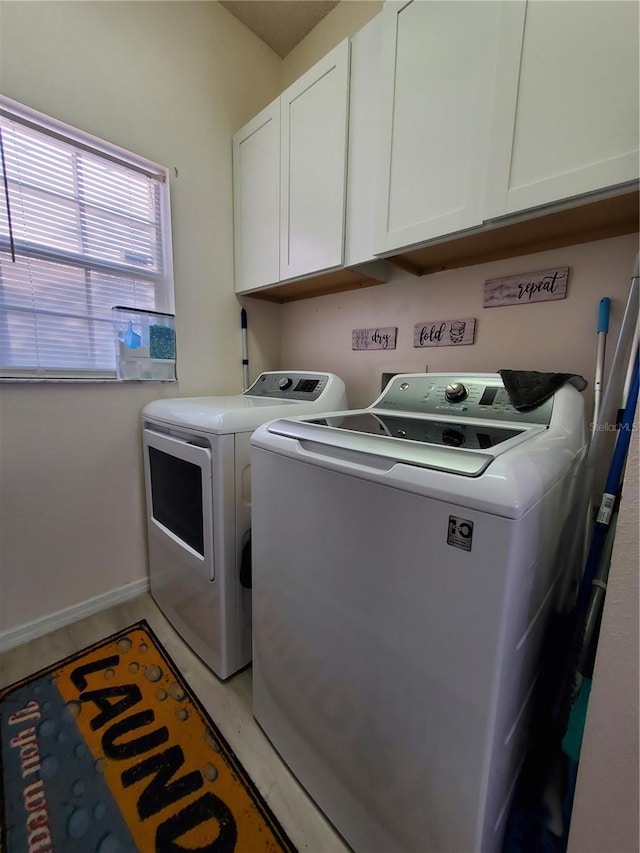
(132, 339)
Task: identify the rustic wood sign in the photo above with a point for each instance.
(542, 286)
(374, 338)
(444, 333)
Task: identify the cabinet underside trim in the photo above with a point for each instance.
(336, 281)
(595, 220)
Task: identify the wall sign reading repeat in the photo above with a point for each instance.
(445, 333)
(528, 287)
(374, 338)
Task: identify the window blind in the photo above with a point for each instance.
(84, 226)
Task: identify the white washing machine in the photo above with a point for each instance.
(405, 560)
(198, 496)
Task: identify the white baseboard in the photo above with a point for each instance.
(46, 624)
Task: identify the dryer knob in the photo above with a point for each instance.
(456, 392)
(285, 383)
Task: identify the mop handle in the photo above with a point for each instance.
(245, 358)
(603, 328)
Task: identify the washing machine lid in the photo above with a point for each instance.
(441, 421)
(274, 394)
(458, 447)
(444, 433)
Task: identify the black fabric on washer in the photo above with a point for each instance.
(528, 389)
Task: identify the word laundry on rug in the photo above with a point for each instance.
(109, 751)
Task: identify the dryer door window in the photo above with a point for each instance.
(179, 498)
(176, 493)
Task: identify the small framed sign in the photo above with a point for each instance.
(374, 338)
(445, 333)
(542, 286)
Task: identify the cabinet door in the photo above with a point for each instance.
(364, 135)
(566, 110)
(313, 167)
(439, 70)
(256, 199)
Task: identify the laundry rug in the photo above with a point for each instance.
(109, 751)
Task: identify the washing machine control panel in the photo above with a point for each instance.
(293, 385)
(469, 396)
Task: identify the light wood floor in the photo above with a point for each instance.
(228, 703)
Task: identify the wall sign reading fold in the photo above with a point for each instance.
(542, 286)
(445, 333)
(366, 339)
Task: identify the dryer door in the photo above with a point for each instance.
(179, 499)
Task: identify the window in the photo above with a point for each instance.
(84, 227)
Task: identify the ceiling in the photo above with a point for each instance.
(281, 24)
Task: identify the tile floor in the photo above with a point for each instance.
(228, 703)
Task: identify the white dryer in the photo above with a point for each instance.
(198, 498)
(405, 560)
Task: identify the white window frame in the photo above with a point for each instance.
(162, 279)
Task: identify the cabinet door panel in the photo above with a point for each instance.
(364, 134)
(439, 71)
(566, 120)
(256, 190)
(314, 133)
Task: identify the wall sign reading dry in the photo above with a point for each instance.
(444, 333)
(374, 338)
(540, 286)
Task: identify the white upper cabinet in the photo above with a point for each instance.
(256, 199)
(566, 109)
(437, 119)
(438, 82)
(289, 180)
(314, 117)
(364, 143)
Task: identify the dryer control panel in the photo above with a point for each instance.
(478, 396)
(292, 385)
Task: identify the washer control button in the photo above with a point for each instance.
(285, 383)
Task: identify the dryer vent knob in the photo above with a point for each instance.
(456, 392)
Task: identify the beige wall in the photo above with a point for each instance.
(171, 81)
(548, 336)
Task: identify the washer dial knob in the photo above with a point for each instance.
(285, 383)
(456, 392)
